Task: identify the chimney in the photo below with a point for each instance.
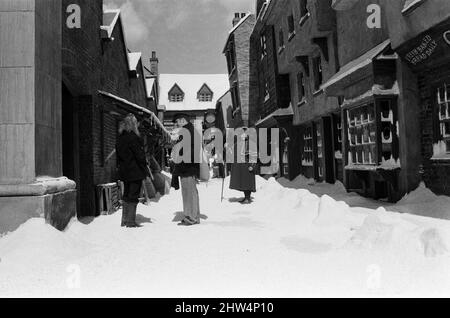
(242, 15)
(237, 18)
(154, 61)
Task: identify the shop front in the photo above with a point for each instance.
(370, 93)
(428, 56)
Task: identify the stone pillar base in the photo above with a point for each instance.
(52, 199)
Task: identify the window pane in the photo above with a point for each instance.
(446, 129)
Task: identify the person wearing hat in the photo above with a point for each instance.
(244, 167)
(187, 172)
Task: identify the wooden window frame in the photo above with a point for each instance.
(443, 116)
(371, 130)
(308, 148)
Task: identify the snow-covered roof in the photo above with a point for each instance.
(149, 84)
(235, 28)
(110, 18)
(376, 90)
(362, 61)
(280, 112)
(133, 60)
(138, 108)
(190, 84)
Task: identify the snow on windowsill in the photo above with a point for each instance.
(376, 90)
(440, 152)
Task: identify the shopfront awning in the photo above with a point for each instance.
(142, 111)
(354, 71)
(272, 119)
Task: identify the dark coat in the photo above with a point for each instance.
(191, 169)
(241, 178)
(131, 157)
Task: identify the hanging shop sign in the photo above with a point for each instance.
(429, 48)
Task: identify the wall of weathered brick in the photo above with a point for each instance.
(436, 173)
(354, 36)
(242, 46)
(91, 64)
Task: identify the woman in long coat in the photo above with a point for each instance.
(243, 171)
(132, 166)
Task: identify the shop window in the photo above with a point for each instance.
(318, 76)
(362, 133)
(369, 140)
(338, 136)
(387, 121)
(319, 147)
(443, 99)
(308, 157)
(301, 86)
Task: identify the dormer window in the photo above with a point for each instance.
(205, 94)
(176, 95)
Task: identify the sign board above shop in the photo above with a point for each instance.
(431, 48)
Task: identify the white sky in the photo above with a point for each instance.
(188, 35)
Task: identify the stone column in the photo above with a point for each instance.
(31, 182)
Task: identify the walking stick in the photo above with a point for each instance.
(223, 184)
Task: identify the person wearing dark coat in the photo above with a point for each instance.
(186, 175)
(132, 165)
(243, 172)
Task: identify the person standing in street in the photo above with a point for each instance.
(188, 173)
(132, 166)
(243, 169)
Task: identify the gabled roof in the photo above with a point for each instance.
(176, 90)
(110, 18)
(230, 33)
(150, 84)
(190, 85)
(133, 60)
(205, 90)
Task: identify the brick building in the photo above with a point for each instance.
(307, 57)
(102, 82)
(378, 109)
(420, 34)
(270, 91)
(237, 52)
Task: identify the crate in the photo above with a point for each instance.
(108, 198)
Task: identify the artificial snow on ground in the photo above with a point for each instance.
(295, 240)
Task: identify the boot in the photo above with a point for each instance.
(131, 219)
(125, 212)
